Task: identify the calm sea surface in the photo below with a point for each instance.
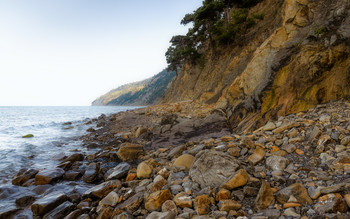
(51, 135)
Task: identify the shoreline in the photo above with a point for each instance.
(182, 160)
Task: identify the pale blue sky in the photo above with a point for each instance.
(69, 52)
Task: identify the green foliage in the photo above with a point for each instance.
(212, 24)
(28, 136)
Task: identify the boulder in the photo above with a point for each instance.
(144, 170)
(91, 172)
(128, 151)
(47, 176)
(185, 161)
(48, 202)
(102, 189)
(23, 176)
(212, 168)
(118, 172)
(183, 200)
(229, 204)
(237, 180)
(132, 203)
(155, 200)
(265, 196)
(60, 212)
(203, 203)
(330, 203)
(297, 190)
(161, 215)
(25, 200)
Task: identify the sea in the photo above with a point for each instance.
(56, 130)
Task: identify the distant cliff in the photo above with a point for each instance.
(146, 92)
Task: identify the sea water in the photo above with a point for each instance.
(55, 129)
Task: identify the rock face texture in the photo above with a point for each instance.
(295, 58)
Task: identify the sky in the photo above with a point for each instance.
(70, 52)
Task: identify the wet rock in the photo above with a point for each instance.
(75, 157)
(128, 151)
(91, 172)
(84, 216)
(132, 203)
(212, 168)
(169, 205)
(48, 202)
(202, 204)
(331, 203)
(25, 200)
(155, 200)
(118, 172)
(161, 215)
(72, 175)
(183, 200)
(60, 212)
(185, 160)
(102, 189)
(297, 190)
(277, 163)
(105, 213)
(74, 214)
(257, 156)
(23, 176)
(237, 180)
(228, 205)
(144, 170)
(8, 212)
(265, 196)
(110, 200)
(47, 176)
(124, 215)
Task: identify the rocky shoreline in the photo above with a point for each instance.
(182, 161)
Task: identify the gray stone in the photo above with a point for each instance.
(277, 162)
(269, 126)
(290, 212)
(132, 204)
(120, 171)
(212, 168)
(91, 173)
(290, 148)
(161, 215)
(111, 199)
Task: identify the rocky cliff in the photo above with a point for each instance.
(146, 92)
(295, 58)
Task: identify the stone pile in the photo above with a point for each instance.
(295, 167)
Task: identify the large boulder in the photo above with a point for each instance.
(47, 176)
(128, 151)
(120, 171)
(213, 168)
(48, 202)
(23, 176)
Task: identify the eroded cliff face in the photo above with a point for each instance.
(294, 59)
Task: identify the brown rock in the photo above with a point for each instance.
(23, 176)
(229, 204)
(330, 203)
(144, 171)
(202, 204)
(60, 212)
(130, 177)
(118, 172)
(222, 195)
(131, 204)
(128, 151)
(183, 200)
(106, 213)
(265, 197)
(158, 185)
(48, 202)
(347, 199)
(169, 205)
(257, 156)
(91, 172)
(155, 200)
(297, 190)
(285, 127)
(110, 200)
(47, 176)
(237, 180)
(161, 215)
(184, 160)
(102, 189)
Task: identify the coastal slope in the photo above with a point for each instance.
(146, 92)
